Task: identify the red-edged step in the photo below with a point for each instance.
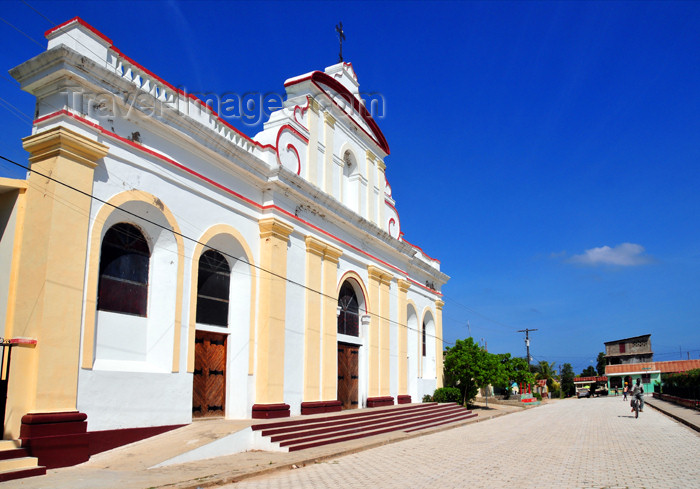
(300, 434)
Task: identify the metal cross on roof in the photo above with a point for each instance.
(341, 38)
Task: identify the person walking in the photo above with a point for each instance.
(624, 392)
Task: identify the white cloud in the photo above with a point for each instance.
(623, 255)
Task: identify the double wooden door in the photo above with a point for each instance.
(347, 375)
(209, 389)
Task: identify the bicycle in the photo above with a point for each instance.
(635, 406)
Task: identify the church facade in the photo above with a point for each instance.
(162, 266)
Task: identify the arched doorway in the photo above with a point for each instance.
(348, 353)
(213, 289)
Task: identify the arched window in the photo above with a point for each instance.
(124, 260)
(423, 340)
(213, 287)
(349, 317)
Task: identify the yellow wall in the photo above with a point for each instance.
(274, 236)
(379, 345)
(329, 377)
(48, 299)
(312, 329)
(403, 286)
(375, 276)
(384, 336)
(438, 342)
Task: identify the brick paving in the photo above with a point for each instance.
(574, 443)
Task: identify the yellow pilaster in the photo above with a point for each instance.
(438, 341)
(328, 161)
(312, 329)
(371, 162)
(48, 295)
(375, 276)
(403, 286)
(384, 335)
(382, 193)
(312, 153)
(274, 236)
(331, 255)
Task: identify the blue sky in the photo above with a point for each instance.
(546, 152)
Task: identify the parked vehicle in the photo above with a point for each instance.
(583, 393)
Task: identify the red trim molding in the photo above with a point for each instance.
(319, 78)
(380, 401)
(254, 204)
(56, 439)
(270, 411)
(403, 399)
(318, 407)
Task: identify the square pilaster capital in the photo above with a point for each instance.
(404, 285)
(61, 141)
(273, 227)
(439, 304)
(314, 105)
(330, 120)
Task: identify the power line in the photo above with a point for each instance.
(23, 33)
(184, 236)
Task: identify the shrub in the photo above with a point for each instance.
(447, 394)
(537, 396)
(427, 398)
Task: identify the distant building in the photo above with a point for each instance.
(648, 372)
(630, 359)
(629, 350)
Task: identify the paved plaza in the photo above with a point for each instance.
(574, 443)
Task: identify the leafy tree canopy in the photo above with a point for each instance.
(469, 367)
(567, 380)
(600, 366)
(589, 372)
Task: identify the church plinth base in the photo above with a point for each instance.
(318, 407)
(56, 439)
(380, 401)
(403, 399)
(269, 411)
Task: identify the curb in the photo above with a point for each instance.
(675, 417)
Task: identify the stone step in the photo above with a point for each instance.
(358, 426)
(18, 463)
(300, 434)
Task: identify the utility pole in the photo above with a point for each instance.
(527, 342)
(469, 328)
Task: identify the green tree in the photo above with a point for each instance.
(589, 372)
(567, 380)
(600, 366)
(516, 370)
(469, 367)
(547, 371)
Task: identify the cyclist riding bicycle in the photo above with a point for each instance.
(638, 392)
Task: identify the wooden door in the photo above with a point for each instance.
(209, 389)
(347, 375)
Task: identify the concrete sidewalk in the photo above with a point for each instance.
(132, 466)
(687, 416)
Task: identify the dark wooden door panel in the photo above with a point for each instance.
(209, 388)
(347, 375)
